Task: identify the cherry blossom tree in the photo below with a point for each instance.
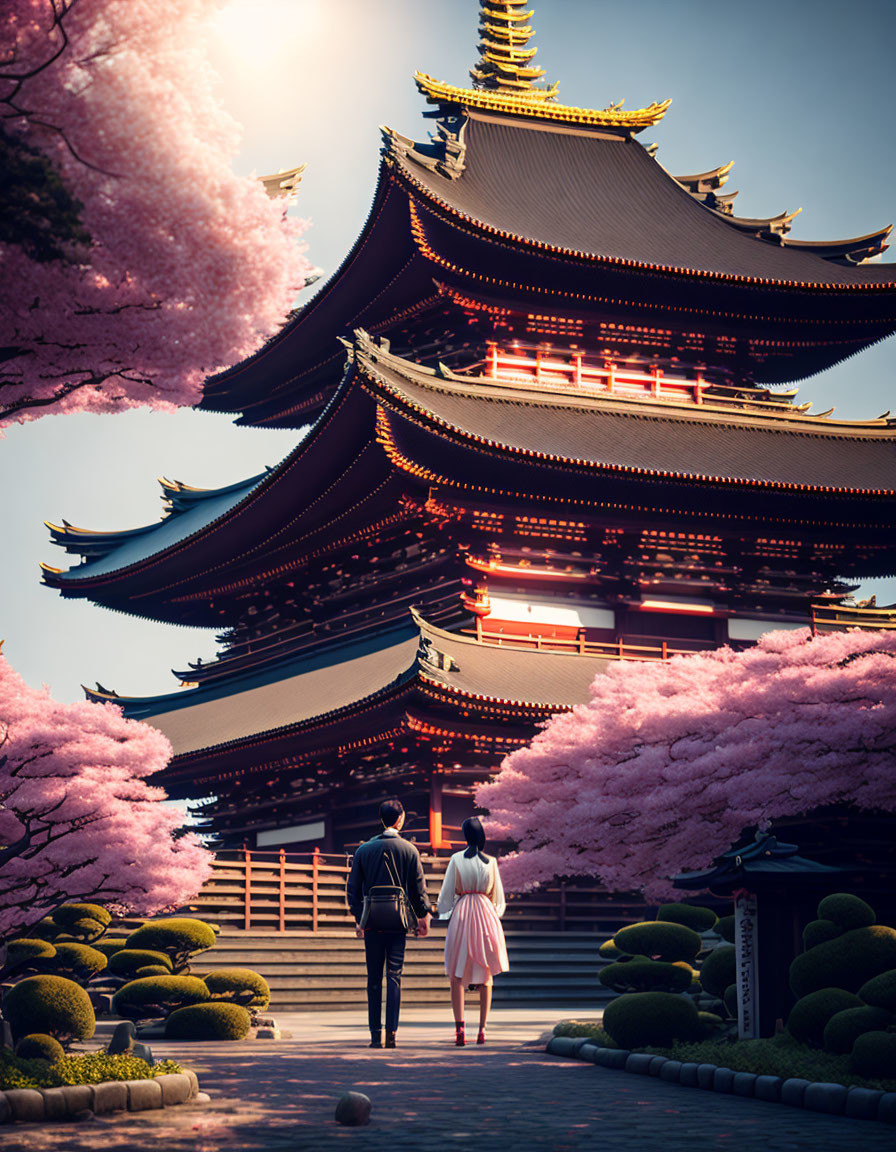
(78, 822)
(133, 261)
(668, 763)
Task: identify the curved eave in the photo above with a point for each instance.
(390, 394)
(441, 205)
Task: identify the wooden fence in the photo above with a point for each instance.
(281, 891)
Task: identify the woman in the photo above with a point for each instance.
(474, 947)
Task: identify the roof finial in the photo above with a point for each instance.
(506, 61)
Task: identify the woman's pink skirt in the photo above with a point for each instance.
(474, 947)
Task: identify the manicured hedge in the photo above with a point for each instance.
(39, 1046)
(213, 1021)
(846, 911)
(646, 976)
(643, 1018)
(179, 938)
(809, 1016)
(844, 1028)
(241, 984)
(690, 915)
(51, 1005)
(127, 961)
(659, 941)
(719, 970)
(847, 962)
(154, 996)
(880, 991)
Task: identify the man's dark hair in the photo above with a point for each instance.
(390, 810)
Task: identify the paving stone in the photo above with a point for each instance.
(822, 1097)
(112, 1096)
(768, 1087)
(55, 1107)
(612, 1057)
(639, 1062)
(705, 1075)
(862, 1103)
(723, 1080)
(143, 1095)
(564, 1045)
(26, 1103)
(671, 1071)
(78, 1097)
(793, 1091)
(688, 1074)
(656, 1064)
(744, 1084)
(886, 1108)
(176, 1088)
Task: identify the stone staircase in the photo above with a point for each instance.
(326, 969)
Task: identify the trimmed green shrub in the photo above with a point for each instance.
(690, 915)
(659, 941)
(109, 945)
(85, 921)
(719, 969)
(128, 960)
(154, 996)
(179, 938)
(846, 911)
(642, 1018)
(214, 1021)
(646, 976)
(39, 1046)
(44, 929)
(846, 962)
(241, 985)
(729, 999)
(725, 928)
(818, 931)
(809, 1016)
(710, 1024)
(29, 949)
(152, 970)
(49, 1004)
(609, 950)
(874, 1054)
(880, 991)
(844, 1028)
(76, 961)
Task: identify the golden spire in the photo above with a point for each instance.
(506, 61)
(505, 79)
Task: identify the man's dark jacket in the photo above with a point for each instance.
(369, 870)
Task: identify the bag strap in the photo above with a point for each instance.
(392, 870)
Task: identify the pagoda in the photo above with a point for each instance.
(545, 436)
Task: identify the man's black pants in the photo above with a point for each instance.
(384, 949)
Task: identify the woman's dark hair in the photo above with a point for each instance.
(474, 834)
(390, 810)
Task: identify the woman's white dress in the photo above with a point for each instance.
(472, 891)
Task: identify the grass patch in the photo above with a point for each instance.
(589, 1028)
(87, 1068)
(780, 1056)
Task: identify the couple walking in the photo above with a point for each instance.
(386, 882)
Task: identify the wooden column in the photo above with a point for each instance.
(435, 813)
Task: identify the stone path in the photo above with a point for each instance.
(279, 1096)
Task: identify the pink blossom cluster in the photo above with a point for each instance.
(668, 763)
(189, 266)
(77, 819)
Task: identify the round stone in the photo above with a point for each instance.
(353, 1109)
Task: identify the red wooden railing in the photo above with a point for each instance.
(281, 891)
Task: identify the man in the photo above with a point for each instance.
(383, 860)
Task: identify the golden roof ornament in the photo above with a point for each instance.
(506, 79)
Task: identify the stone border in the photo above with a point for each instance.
(833, 1099)
(37, 1104)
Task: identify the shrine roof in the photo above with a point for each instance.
(316, 688)
(667, 439)
(601, 195)
(189, 511)
(523, 676)
(343, 678)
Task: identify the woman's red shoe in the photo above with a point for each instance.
(459, 1038)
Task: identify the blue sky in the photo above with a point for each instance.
(799, 95)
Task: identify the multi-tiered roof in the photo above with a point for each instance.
(541, 441)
